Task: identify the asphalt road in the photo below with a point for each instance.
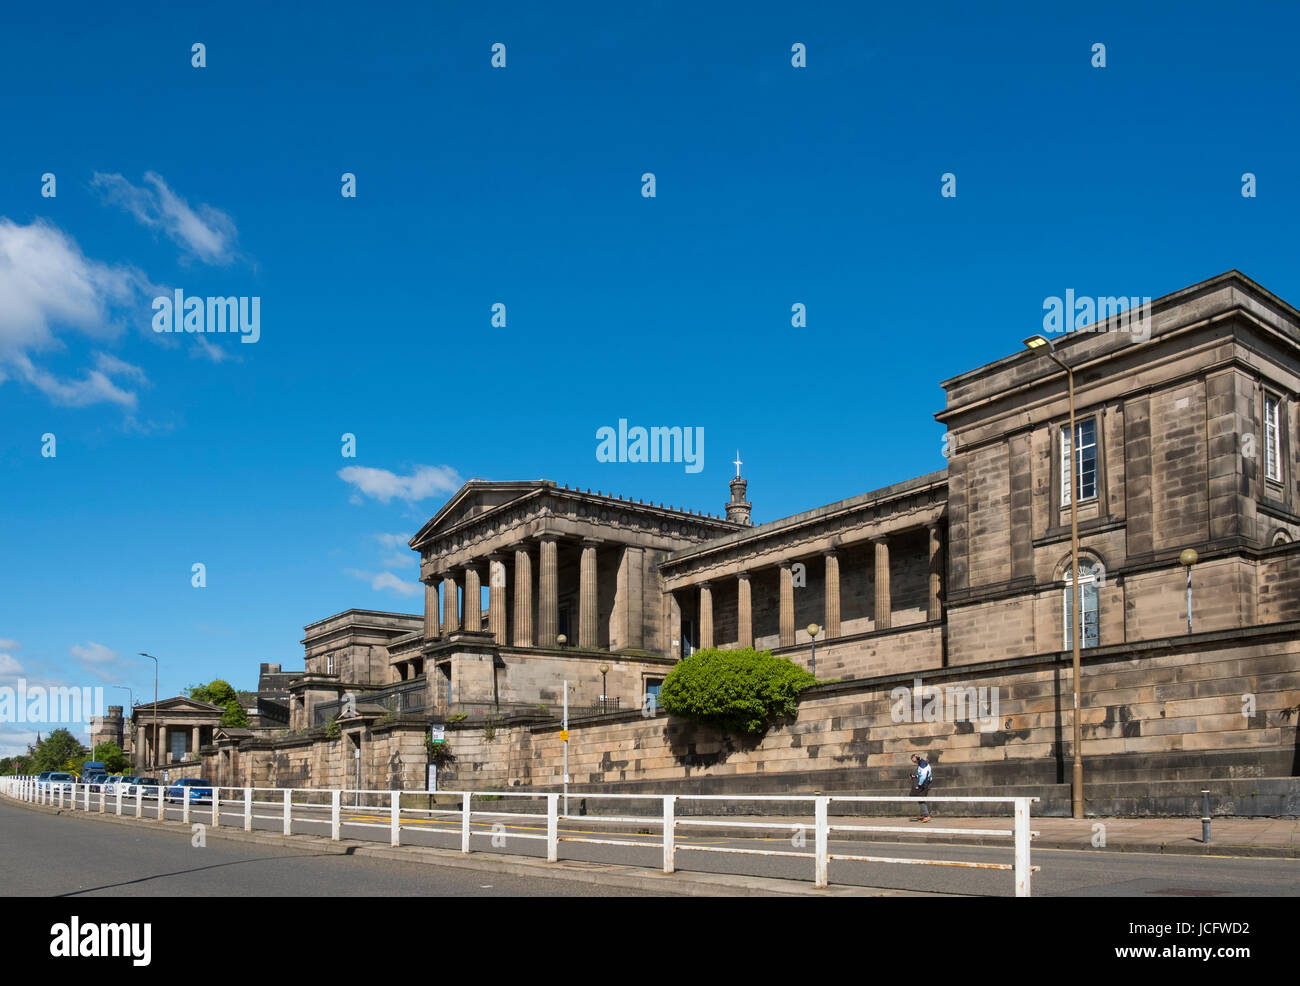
(1086, 873)
(52, 856)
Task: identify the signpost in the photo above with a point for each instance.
(564, 735)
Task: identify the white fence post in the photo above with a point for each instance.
(248, 809)
(552, 828)
(185, 810)
(288, 811)
(395, 821)
(162, 803)
(103, 797)
(118, 791)
(819, 841)
(670, 833)
(139, 801)
(216, 807)
(464, 821)
(87, 801)
(336, 799)
(1023, 871)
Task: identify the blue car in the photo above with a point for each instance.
(200, 790)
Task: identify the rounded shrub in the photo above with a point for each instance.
(739, 691)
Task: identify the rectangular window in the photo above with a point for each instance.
(1273, 437)
(1085, 448)
(329, 664)
(1091, 627)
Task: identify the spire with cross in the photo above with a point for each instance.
(738, 508)
(737, 463)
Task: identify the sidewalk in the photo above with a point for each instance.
(1277, 837)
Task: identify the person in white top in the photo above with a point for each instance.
(922, 777)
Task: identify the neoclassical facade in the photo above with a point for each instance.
(1184, 438)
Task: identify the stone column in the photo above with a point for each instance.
(162, 754)
(141, 747)
(935, 611)
(473, 599)
(706, 615)
(744, 612)
(431, 624)
(832, 595)
(548, 593)
(450, 607)
(523, 598)
(194, 740)
(587, 623)
(787, 605)
(882, 583)
(497, 598)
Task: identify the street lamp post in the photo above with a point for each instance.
(813, 630)
(154, 765)
(1034, 343)
(604, 670)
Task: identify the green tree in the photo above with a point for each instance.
(57, 750)
(111, 755)
(217, 692)
(234, 715)
(739, 691)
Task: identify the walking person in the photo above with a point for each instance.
(922, 777)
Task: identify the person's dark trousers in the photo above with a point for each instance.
(919, 791)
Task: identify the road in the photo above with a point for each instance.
(43, 855)
(1087, 873)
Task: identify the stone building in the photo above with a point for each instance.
(1184, 439)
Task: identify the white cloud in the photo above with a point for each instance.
(14, 741)
(9, 666)
(382, 485)
(47, 282)
(96, 658)
(7, 644)
(387, 580)
(205, 232)
(391, 540)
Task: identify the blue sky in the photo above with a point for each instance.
(521, 185)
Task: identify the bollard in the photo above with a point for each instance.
(1205, 816)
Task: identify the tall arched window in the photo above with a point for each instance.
(1089, 582)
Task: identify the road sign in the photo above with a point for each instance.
(564, 735)
(437, 734)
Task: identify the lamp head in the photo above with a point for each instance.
(1189, 557)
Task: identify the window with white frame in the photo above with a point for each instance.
(1088, 585)
(329, 664)
(1273, 437)
(1085, 455)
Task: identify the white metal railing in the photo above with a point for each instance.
(324, 807)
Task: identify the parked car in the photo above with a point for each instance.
(148, 784)
(44, 775)
(200, 790)
(95, 781)
(59, 779)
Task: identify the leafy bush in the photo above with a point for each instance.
(111, 756)
(739, 691)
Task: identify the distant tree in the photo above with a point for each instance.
(235, 715)
(217, 692)
(57, 750)
(111, 755)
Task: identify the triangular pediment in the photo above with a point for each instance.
(178, 705)
(475, 498)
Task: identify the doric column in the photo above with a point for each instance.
(450, 604)
(935, 611)
(497, 598)
(163, 752)
(548, 593)
(523, 598)
(587, 636)
(473, 599)
(787, 605)
(194, 740)
(706, 615)
(882, 583)
(431, 624)
(832, 595)
(744, 612)
(141, 750)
